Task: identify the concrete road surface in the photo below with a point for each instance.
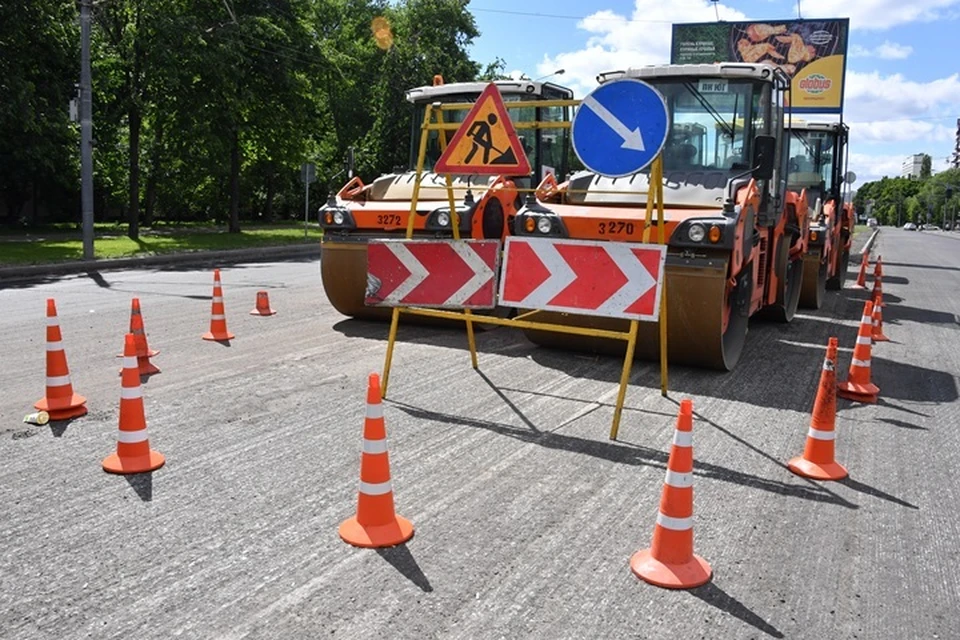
(526, 514)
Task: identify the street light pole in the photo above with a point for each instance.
(86, 132)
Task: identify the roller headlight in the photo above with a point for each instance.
(338, 217)
(443, 219)
(696, 232)
(544, 225)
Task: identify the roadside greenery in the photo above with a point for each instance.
(204, 110)
(55, 247)
(896, 201)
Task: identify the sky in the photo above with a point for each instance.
(903, 69)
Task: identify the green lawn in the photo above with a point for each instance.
(60, 246)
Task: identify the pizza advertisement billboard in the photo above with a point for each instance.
(813, 54)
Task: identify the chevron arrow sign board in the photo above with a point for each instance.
(610, 279)
(441, 274)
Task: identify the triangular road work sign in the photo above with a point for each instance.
(486, 143)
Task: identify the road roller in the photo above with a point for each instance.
(736, 236)
(486, 205)
(817, 163)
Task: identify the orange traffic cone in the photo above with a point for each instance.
(144, 352)
(218, 317)
(376, 524)
(263, 305)
(817, 460)
(670, 561)
(877, 293)
(59, 401)
(857, 385)
(133, 454)
(878, 335)
(861, 282)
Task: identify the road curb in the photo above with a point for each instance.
(193, 258)
(868, 247)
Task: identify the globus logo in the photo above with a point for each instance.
(816, 83)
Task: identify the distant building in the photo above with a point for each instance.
(955, 159)
(910, 168)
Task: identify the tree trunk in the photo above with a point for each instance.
(151, 194)
(271, 191)
(234, 226)
(133, 214)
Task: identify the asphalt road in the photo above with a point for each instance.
(526, 514)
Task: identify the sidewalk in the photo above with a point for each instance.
(186, 259)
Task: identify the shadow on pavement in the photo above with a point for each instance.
(403, 561)
(717, 597)
(876, 493)
(631, 454)
(58, 427)
(98, 278)
(75, 270)
(142, 483)
(899, 313)
(903, 424)
(887, 279)
(918, 266)
(883, 403)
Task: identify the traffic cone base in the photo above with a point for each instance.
(375, 536)
(219, 337)
(145, 367)
(671, 576)
(150, 353)
(138, 464)
(807, 469)
(263, 305)
(63, 408)
(859, 392)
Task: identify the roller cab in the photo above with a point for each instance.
(816, 163)
(487, 205)
(736, 237)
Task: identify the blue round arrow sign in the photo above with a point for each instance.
(620, 127)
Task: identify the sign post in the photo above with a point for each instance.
(620, 129)
(308, 173)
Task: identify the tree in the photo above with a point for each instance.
(39, 65)
(926, 166)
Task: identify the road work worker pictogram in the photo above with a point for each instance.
(482, 137)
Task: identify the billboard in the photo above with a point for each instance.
(813, 54)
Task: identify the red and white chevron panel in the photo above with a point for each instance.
(441, 274)
(611, 279)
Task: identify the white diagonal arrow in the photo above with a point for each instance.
(481, 274)
(561, 275)
(417, 272)
(638, 281)
(631, 139)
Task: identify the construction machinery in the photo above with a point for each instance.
(486, 204)
(736, 235)
(817, 163)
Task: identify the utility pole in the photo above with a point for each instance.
(86, 132)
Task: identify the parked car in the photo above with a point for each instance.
(910, 226)
(872, 222)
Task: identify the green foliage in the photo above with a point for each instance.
(39, 56)
(205, 109)
(897, 201)
(926, 166)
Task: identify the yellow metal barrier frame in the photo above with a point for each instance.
(654, 201)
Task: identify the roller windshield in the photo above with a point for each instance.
(811, 163)
(713, 121)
